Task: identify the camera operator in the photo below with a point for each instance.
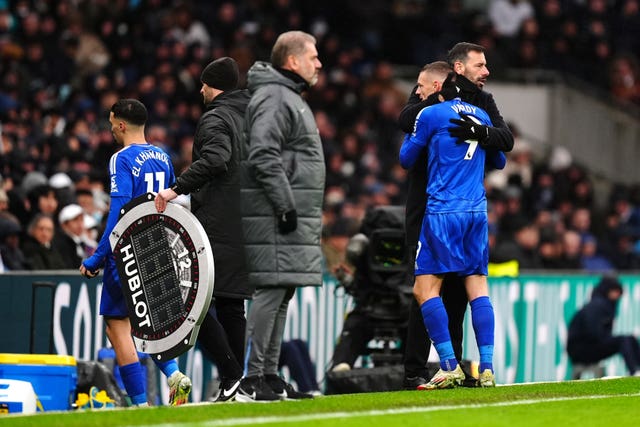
(375, 276)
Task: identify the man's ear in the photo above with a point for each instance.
(458, 67)
(292, 61)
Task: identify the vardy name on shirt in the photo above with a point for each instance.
(463, 108)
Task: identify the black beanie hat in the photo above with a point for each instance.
(221, 74)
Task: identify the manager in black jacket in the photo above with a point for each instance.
(213, 181)
(469, 64)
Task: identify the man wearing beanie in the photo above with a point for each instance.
(282, 195)
(213, 181)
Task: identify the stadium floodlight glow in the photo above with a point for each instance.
(165, 264)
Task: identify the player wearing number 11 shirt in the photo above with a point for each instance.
(454, 235)
(138, 168)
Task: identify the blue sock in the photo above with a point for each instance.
(483, 320)
(168, 367)
(436, 321)
(133, 380)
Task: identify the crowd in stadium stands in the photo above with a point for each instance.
(64, 63)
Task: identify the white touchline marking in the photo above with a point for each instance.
(376, 412)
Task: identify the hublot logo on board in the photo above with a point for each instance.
(165, 263)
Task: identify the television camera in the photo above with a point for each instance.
(382, 289)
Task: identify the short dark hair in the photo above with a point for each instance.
(289, 43)
(460, 51)
(131, 111)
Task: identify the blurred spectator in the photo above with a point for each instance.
(627, 26)
(37, 245)
(11, 255)
(582, 193)
(335, 238)
(624, 254)
(41, 200)
(68, 239)
(550, 15)
(188, 29)
(550, 249)
(4, 201)
(627, 215)
(522, 248)
(590, 336)
(581, 222)
(507, 16)
(63, 187)
(514, 215)
(624, 78)
(571, 250)
(294, 355)
(90, 235)
(543, 193)
(590, 259)
(86, 199)
(519, 168)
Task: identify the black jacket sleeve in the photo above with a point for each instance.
(213, 148)
(500, 136)
(407, 117)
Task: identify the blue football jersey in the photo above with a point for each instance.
(139, 169)
(455, 170)
(134, 170)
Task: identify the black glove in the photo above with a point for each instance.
(288, 222)
(467, 128)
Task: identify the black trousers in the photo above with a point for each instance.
(593, 352)
(295, 355)
(357, 331)
(221, 336)
(453, 293)
(359, 328)
(418, 344)
(231, 315)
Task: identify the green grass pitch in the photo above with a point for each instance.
(605, 402)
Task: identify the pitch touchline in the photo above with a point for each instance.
(324, 416)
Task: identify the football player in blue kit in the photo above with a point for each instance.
(138, 168)
(454, 235)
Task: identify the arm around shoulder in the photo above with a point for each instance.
(499, 135)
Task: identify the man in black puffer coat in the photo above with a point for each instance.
(468, 62)
(213, 181)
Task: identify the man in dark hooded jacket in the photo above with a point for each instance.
(591, 336)
(213, 181)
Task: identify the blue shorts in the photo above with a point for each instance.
(112, 302)
(453, 243)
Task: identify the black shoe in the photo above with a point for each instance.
(228, 390)
(469, 380)
(412, 383)
(284, 390)
(255, 389)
